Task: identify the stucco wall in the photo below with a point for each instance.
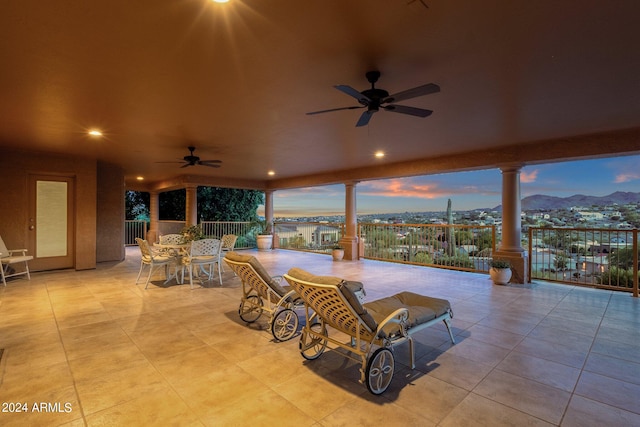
(15, 168)
(110, 214)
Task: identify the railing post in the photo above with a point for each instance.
(635, 262)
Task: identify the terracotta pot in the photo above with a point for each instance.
(264, 242)
(337, 254)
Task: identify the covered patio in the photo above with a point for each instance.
(96, 349)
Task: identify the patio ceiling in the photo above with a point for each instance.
(519, 80)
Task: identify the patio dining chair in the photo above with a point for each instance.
(203, 253)
(228, 243)
(153, 260)
(9, 257)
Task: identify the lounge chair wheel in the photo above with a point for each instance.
(379, 370)
(311, 347)
(284, 325)
(250, 308)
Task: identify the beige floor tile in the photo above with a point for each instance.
(374, 410)
(459, 371)
(162, 409)
(169, 355)
(536, 399)
(261, 409)
(478, 411)
(610, 391)
(585, 412)
(543, 371)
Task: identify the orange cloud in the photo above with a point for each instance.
(527, 177)
(402, 188)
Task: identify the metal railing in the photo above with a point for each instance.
(319, 237)
(603, 258)
(456, 247)
(133, 229)
(244, 231)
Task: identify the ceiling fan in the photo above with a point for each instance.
(373, 99)
(192, 160)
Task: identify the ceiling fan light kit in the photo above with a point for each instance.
(374, 99)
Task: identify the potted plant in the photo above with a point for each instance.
(264, 238)
(500, 271)
(192, 233)
(337, 252)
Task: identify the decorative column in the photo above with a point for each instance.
(511, 248)
(154, 215)
(349, 240)
(268, 216)
(191, 206)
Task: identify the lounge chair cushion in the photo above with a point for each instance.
(348, 289)
(253, 262)
(421, 308)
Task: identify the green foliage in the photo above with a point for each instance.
(172, 205)
(423, 258)
(228, 204)
(561, 261)
(499, 263)
(622, 258)
(615, 276)
(191, 233)
(136, 205)
(462, 261)
(214, 204)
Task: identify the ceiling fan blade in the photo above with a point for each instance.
(210, 165)
(210, 161)
(334, 109)
(412, 111)
(186, 165)
(414, 93)
(362, 99)
(364, 118)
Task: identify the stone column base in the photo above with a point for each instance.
(519, 265)
(350, 245)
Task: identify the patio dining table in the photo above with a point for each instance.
(179, 251)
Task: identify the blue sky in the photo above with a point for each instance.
(467, 190)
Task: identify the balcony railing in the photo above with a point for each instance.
(319, 237)
(133, 229)
(603, 258)
(456, 247)
(244, 231)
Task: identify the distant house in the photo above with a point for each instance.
(589, 216)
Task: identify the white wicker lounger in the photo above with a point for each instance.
(375, 327)
(263, 293)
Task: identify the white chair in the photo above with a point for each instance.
(204, 252)
(9, 257)
(228, 243)
(152, 259)
(171, 239)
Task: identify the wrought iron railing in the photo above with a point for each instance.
(319, 237)
(244, 231)
(456, 247)
(603, 258)
(133, 229)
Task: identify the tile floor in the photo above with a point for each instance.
(92, 348)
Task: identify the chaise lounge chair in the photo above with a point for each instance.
(375, 328)
(263, 293)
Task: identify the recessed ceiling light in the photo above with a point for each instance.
(271, 173)
(140, 178)
(95, 132)
(220, 1)
(379, 154)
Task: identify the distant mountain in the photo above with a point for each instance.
(542, 202)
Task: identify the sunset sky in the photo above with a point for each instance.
(467, 190)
